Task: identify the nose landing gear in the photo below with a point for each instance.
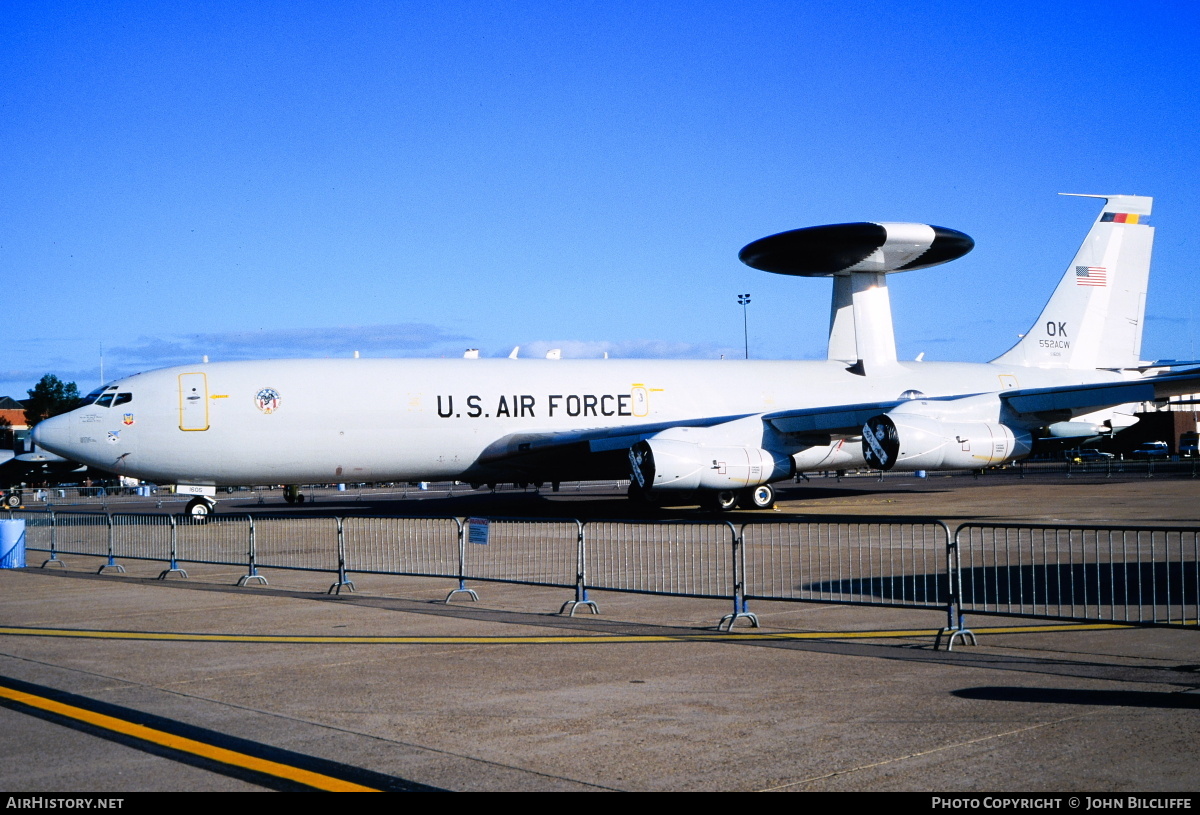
(199, 508)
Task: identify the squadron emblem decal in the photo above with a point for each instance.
(267, 400)
(127, 418)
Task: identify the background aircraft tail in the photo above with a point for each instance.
(1094, 318)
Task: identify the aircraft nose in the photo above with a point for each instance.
(54, 434)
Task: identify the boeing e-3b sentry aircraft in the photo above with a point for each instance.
(723, 431)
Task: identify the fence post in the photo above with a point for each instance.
(581, 595)
(112, 563)
(336, 588)
(174, 567)
(252, 574)
(53, 542)
(740, 611)
(955, 625)
(462, 564)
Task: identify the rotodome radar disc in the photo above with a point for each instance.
(819, 251)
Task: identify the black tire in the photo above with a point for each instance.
(198, 510)
(719, 500)
(761, 497)
(12, 500)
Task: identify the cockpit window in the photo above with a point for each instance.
(107, 397)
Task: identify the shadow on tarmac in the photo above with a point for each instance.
(1058, 585)
(1077, 696)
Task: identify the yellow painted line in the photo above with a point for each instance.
(185, 745)
(535, 640)
(344, 640)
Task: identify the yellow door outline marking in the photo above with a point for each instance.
(184, 416)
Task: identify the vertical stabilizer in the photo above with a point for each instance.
(1094, 318)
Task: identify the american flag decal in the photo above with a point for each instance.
(1091, 276)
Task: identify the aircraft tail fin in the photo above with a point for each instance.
(1094, 318)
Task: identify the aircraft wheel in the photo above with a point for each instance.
(12, 500)
(198, 509)
(762, 497)
(642, 500)
(720, 501)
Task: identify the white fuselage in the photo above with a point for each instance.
(323, 421)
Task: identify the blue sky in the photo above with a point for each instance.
(413, 179)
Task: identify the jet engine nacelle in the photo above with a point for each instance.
(674, 464)
(906, 442)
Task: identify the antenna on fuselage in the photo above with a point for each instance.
(858, 257)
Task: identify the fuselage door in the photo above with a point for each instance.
(193, 402)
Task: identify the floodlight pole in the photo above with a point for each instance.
(743, 301)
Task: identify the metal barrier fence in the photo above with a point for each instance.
(896, 563)
(427, 547)
(1133, 575)
(1128, 575)
(536, 552)
(673, 557)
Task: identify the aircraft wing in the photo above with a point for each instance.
(849, 419)
(845, 419)
(590, 440)
(1105, 394)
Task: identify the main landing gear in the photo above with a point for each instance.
(292, 494)
(760, 497)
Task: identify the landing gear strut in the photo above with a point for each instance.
(292, 494)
